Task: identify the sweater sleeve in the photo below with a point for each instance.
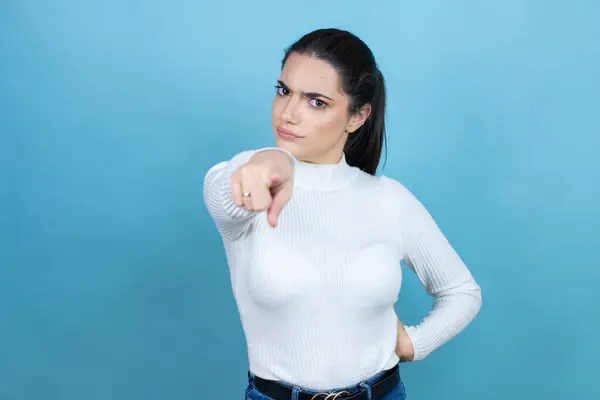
(229, 218)
(443, 274)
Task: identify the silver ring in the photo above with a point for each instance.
(246, 194)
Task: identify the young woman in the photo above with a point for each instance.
(314, 238)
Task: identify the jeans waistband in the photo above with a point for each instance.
(362, 385)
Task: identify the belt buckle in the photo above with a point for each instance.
(334, 394)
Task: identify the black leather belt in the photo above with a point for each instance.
(381, 387)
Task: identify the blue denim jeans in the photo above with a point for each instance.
(398, 393)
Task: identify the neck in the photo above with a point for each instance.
(323, 176)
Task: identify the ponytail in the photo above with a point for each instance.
(364, 146)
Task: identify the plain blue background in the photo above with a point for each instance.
(113, 281)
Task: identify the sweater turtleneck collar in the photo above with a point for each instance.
(323, 176)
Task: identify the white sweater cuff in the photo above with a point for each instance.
(415, 338)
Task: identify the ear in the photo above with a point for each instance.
(358, 119)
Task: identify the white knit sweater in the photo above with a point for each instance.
(316, 293)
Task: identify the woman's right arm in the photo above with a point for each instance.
(223, 182)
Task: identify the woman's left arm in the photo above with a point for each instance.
(444, 275)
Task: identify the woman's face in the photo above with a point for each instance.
(310, 113)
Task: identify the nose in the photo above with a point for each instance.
(290, 112)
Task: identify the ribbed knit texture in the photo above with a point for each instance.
(316, 294)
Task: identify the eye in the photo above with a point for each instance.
(318, 103)
(281, 91)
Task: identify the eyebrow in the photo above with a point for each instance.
(307, 94)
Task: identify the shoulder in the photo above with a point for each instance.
(393, 193)
(398, 192)
(395, 187)
(403, 202)
(384, 184)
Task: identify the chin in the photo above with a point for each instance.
(291, 147)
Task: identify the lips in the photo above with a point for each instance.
(287, 133)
